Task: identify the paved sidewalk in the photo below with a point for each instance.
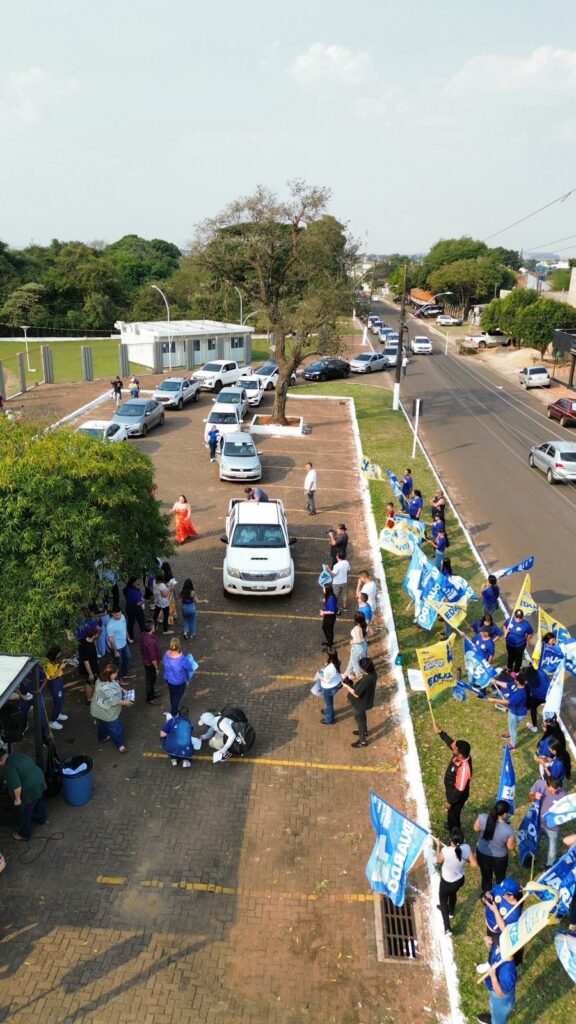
(230, 892)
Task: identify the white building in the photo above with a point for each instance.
(184, 343)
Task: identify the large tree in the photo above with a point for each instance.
(289, 258)
(24, 305)
(470, 280)
(68, 501)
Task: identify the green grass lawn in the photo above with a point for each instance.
(67, 359)
(545, 993)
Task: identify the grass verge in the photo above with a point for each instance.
(67, 359)
(545, 994)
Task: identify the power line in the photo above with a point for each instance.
(559, 199)
(543, 245)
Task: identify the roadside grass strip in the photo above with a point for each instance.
(544, 990)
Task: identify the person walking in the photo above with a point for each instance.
(182, 512)
(106, 707)
(161, 591)
(339, 575)
(453, 860)
(151, 658)
(55, 682)
(404, 364)
(491, 596)
(329, 680)
(547, 792)
(213, 438)
(177, 739)
(117, 633)
(457, 778)
(329, 612)
(358, 645)
(134, 599)
(117, 386)
(361, 699)
(310, 486)
(26, 784)
(496, 839)
(177, 673)
(190, 602)
(134, 385)
(517, 631)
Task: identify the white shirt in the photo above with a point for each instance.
(329, 676)
(161, 595)
(452, 868)
(369, 588)
(310, 480)
(340, 572)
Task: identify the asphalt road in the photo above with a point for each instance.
(478, 428)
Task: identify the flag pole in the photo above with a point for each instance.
(431, 712)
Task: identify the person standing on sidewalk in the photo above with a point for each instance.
(134, 599)
(547, 792)
(162, 591)
(361, 699)
(26, 784)
(117, 633)
(328, 612)
(496, 841)
(366, 585)
(404, 364)
(310, 486)
(406, 489)
(538, 683)
(54, 677)
(117, 386)
(151, 658)
(88, 663)
(340, 580)
(213, 438)
(453, 859)
(457, 778)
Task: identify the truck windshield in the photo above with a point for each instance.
(258, 536)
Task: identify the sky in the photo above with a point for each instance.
(425, 120)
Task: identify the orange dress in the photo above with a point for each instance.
(184, 526)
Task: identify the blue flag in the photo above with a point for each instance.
(562, 811)
(565, 943)
(562, 878)
(550, 659)
(529, 834)
(519, 567)
(507, 787)
(398, 845)
(479, 672)
(394, 483)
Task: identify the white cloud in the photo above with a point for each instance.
(28, 93)
(546, 72)
(324, 67)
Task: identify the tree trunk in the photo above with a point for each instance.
(285, 369)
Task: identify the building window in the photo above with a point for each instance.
(196, 344)
(165, 347)
(211, 344)
(237, 343)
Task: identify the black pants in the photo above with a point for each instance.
(150, 674)
(448, 893)
(515, 655)
(328, 628)
(135, 613)
(361, 722)
(491, 868)
(535, 703)
(454, 812)
(156, 616)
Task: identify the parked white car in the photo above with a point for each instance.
(254, 389)
(268, 373)
(103, 430)
(226, 418)
(239, 459)
(420, 345)
(368, 362)
(174, 392)
(258, 561)
(534, 377)
(234, 396)
(217, 374)
(445, 320)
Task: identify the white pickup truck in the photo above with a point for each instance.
(485, 340)
(217, 374)
(258, 562)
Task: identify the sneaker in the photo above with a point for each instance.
(482, 968)
(56, 725)
(186, 764)
(359, 743)
(62, 718)
(173, 762)
(533, 728)
(324, 722)
(168, 632)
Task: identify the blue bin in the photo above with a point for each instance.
(78, 788)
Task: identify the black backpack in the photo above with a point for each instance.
(245, 733)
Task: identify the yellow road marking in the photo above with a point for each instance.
(241, 890)
(271, 763)
(261, 615)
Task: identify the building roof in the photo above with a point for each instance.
(13, 669)
(182, 328)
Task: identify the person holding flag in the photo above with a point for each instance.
(502, 906)
(501, 984)
(547, 792)
(516, 701)
(457, 778)
(537, 683)
(496, 840)
(517, 631)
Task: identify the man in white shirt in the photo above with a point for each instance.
(220, 733)
(366, 585)
(340, 580)
(310, 489)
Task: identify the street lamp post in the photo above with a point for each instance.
(241, 304)
(156, 288)
(26, 329)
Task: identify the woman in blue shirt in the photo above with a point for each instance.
(490, 596)
(517, 630)
(134, 607)
(415, 505)
(501, 984)
(494, 631)
(560, 766)
(538, 684)
(328, 612)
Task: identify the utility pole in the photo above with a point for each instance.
(401, 329)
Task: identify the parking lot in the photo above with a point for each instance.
(234, 891)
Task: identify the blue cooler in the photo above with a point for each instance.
(77, 788)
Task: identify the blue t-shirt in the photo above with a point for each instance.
(518, 701)
(505, 972)
(116, 629)
(494, 630)
(407, 485)
(485, 647)
(441, 543)
(510, 911)
(556, 770)
(436, 527)
(518, 633)
(213, 436)
(133, 596)
(539, 686)
(331, 605)
(366, 611)
(543, 746)
(414, 507)
(490, 596)
(178, 742)
(260, 494)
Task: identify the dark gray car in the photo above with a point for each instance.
(139, 415)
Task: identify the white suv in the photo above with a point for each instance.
(421, 345)
(258, 562)
(215, 375)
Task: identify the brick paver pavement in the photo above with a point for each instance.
(234, 891)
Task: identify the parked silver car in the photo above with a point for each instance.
(555, 458)
(238, 458)
(139, 415)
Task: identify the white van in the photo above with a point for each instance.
(258, 562)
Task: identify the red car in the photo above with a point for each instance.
(564, 410)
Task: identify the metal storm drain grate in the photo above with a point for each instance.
(399, 930)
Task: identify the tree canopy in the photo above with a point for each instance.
(527, 316)
(289, 258)
(67, 502)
